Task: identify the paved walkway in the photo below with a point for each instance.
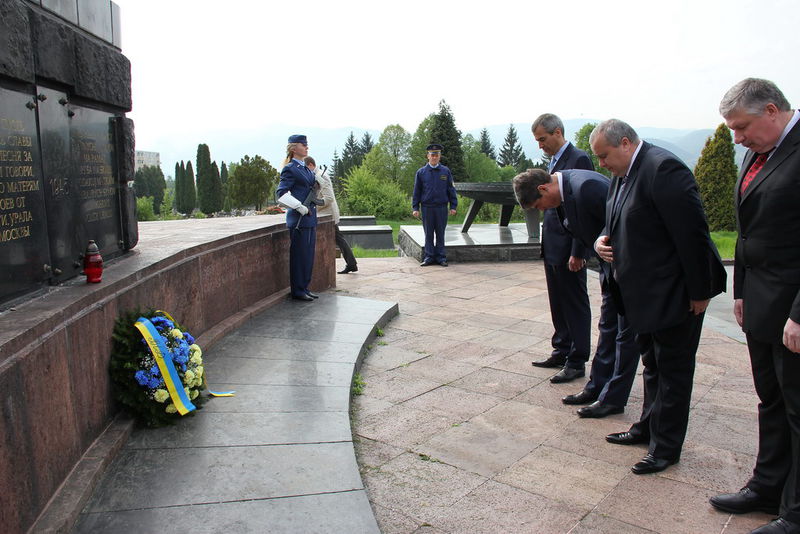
(457, 432)
(277, 457)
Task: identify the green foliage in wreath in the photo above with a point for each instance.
(137, 381)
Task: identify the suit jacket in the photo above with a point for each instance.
(663, 253)
(584, 204)
(298, 180)
(557, 244)
(767, 265)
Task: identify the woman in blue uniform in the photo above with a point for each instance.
(433, 191)
(297, 182)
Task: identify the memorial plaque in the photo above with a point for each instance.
(24, 256)
(93, 181)
(63, 215)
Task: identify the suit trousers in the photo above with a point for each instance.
(344, 247)
(776, 374)
(434, 222)
(570, 313)
(301, 258)
(668, 357)
(617, 356)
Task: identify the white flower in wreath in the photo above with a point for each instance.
(161, 395)
(171, 408)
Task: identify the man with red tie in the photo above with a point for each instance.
(766, 292)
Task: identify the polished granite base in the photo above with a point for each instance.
(276, 457)
(483, 242)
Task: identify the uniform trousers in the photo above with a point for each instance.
(301, 258)
(434, 222)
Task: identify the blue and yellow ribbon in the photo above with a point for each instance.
(165, 365)
(205, 384)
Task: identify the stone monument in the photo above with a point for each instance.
(66, 148)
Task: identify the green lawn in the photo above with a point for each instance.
(726, 243)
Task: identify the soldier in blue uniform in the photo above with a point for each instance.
(433, 191)
(297, 182)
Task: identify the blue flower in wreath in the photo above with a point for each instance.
(162, 323)
(189, 338)
(142, 378)
(154, 371)
(154, 383)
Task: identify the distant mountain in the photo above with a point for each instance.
(270, 142)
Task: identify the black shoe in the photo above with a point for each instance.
(443, 263)
(580, 398)
(552, 361)
(651, 464)
(348, 269)
(779, 526)
(626, 438)
(567, 374)
(312, 295)
(743, 501)
(426, 263)
(597, 410)
(303, 297)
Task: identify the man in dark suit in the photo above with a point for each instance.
(578, 197)
(766, 292)
(664, 271)
(564, 263)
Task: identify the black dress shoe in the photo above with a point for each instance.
(426, 263)
(443, 263)
(312, 295)
(567, 374)
(626, 438)
(580, 398)
(552, 361)
(651, 464)
(779, 526)
(348, 269)
(743, 501)
(597, 410)
(303, 297)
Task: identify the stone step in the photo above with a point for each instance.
(356, 220)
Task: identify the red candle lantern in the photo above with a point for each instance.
(93, 263)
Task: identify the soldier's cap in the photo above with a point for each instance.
(434, 147)
(298, 139)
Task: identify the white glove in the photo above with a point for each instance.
(288, 201)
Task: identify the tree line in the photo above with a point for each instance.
(376, 177)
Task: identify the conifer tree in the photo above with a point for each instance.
(511, 154)
(205, 185)
(445, 133)
(364, 146)
(716, 174)
(216, 199)
(351, 156)
(190, 199)
(486, 145)
(223, 178)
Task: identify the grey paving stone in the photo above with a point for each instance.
(251, 346)
(276, 398)
(329, 513)
(159, 478)
(239, 429)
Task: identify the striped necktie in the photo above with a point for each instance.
(753, 171)
(621, 191)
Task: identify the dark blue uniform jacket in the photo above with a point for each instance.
(434, 186)
(298, 180)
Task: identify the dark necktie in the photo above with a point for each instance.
(620, 192)
(753, 171)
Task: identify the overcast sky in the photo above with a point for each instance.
(200, 66)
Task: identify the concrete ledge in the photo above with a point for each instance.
(376, 237)
(484, 242)
(356, 220)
